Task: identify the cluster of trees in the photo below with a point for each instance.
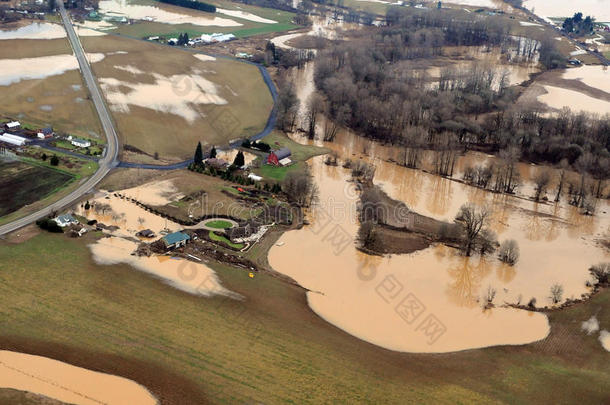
(183, 39)
(260, 145)
(300, 188)
(579, 25)
(50, 225)
(194, 4)
(477, 237)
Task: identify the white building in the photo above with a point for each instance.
(13, 139)
(81, 143)
(65, 220)
(254, 177)
(13, 124)
(217, 37)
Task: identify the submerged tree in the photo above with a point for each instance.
(239, 160)
(509, 252)
(473, 219)
(556, 293)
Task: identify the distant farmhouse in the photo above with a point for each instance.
(13, 125)
(45, 133)
(175, 240)
(66, 220)
(280, 157)
(217, 163)
(81, 143)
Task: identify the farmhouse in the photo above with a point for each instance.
(13, 125)
(175, 240)
(81, 143)
(277, 156)
(65, 220)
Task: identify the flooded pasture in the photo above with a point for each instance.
(558, 98)
(193, 278)
(600, 9)
(152, 13)
(68, 383)
(35, 31)
(16, 70)
(244, 15)
(162, 95)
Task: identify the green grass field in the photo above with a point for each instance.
(27, 183)
(270, 347)
(300, 153)
(219, 224)
(220, 238)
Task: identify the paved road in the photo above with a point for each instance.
(108, 161)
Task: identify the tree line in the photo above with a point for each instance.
(194, 4)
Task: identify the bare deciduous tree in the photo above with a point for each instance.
(509, 252)
(473, 220)
(556, 293)
(300, 188)
(541, 182)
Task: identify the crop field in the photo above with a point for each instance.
(268, 347)
(59, 100)
(27, 183)
(141, 29)
(165, 100)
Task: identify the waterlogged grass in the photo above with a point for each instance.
(269, 347)
(219, 238)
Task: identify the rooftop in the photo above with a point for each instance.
(175, 237)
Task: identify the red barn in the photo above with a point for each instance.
(275, 156)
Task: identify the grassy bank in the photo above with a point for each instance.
(269, 347)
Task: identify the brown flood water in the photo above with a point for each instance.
(431, 301)
(67, 383)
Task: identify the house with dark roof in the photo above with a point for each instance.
(146, 233)
(217, 163)
(276, 156)
(175, 240)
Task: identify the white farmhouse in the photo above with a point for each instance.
(81, 143)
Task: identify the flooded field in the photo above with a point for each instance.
(154, 193)
(161, 95)
(600, 9)
(594, 76)
(432, 300)
(558, 98)
(193, 278)
(244, 15)
(15, 70)
(35, 31)
(152, 13)
(67, 383)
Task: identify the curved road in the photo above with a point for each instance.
(108, 161)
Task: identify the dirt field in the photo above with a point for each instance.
(209, 101)
(268, 348)
(28, 183)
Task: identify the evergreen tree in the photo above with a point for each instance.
(213, 152)
(239, 160)
(54, 161)
(198, 159)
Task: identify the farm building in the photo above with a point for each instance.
(65, 220)
(13, 139)
(234, 234)
(175, 240)
(146, 233)
(13, 125)
(45, 133)
(276, 156)
(81, 143)
(216, 37)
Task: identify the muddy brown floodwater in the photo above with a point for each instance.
(432, 300)
(67, 383)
